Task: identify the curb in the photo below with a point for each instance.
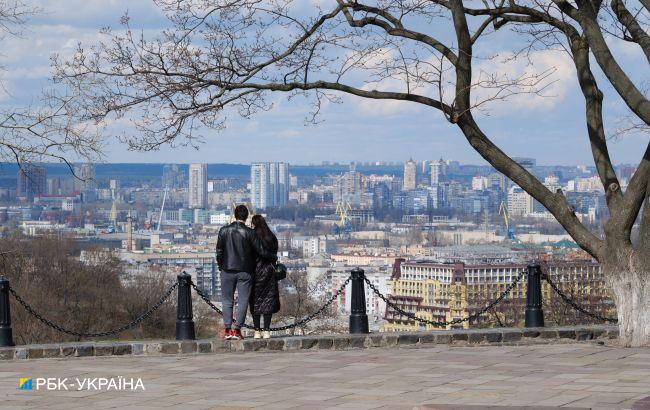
(474, 337)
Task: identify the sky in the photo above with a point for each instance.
(551, 128)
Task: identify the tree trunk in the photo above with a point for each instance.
(630, 288)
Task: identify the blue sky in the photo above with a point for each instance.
(550, 129)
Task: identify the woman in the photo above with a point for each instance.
(265, 297)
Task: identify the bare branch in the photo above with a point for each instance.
(627, 19)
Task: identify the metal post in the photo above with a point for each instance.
(6, 337)
(185, 318)
(534, 312)
(358, 316)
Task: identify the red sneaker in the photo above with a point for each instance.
(235, 334)
(227, 334)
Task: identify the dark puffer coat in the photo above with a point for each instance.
(265, 297)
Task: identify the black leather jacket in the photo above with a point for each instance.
(238, 248)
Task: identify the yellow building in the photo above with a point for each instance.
(443, 292)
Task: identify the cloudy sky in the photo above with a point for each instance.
(551, 128)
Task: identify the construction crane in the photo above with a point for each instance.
(162, 208)
(344, 226)
(510, 229)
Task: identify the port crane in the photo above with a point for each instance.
(344, 225)
(510, 229)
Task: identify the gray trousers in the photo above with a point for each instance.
(242, 281)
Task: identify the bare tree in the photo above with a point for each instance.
(302, 297)
(46, 130)
(82, 297)
(229, 55)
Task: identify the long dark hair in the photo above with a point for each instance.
(263, 230)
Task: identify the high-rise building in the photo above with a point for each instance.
(410, 175)
(53, 186)
(381, 196)
(349, 187)
(172, 176)
(198, 187)
(31, 182)
(260, 185)
(269, 184)
(438, 172)
(498, 181)
(519, 201)
(84, 180)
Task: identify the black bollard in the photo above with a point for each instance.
(358, 316)
(6, 336)
(185, 318)
(534, 312)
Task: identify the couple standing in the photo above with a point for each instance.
(246, 259)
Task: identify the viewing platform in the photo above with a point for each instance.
(412, 373)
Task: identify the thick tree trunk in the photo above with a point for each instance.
(630, 288)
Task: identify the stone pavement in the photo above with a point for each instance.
(436, 377)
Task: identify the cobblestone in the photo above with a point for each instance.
(425, 376)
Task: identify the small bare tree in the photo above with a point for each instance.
(300, 297)
(231, 54)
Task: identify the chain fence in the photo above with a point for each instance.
(118, 330)
(389, 303)
(450, 322)
(574, 305)
(300, 322)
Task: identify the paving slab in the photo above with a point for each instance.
(542, 377)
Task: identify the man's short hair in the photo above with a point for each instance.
(241, 213)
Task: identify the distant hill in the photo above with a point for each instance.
(148, 170)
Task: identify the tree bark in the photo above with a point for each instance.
(631, 292)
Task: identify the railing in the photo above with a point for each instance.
(534, 315)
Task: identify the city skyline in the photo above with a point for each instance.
(325, 162)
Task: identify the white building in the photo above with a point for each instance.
(84, 177)
(410, 175)
(67, 204)
(591, 184)
(219, 218)
(198, 189)
(349, 187)
(480, 183)
(438, 172)
(317, 245)
(519, 201)
(269, 184)
(375, 306)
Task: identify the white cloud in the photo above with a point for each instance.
(540, 80)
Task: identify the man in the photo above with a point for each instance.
(238, 247)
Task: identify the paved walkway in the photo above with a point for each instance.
(440, 377)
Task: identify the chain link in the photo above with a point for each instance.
(451, 322)
(574, 305)
(121, 329)
(301, 322)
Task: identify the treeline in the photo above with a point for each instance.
(84, 297)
